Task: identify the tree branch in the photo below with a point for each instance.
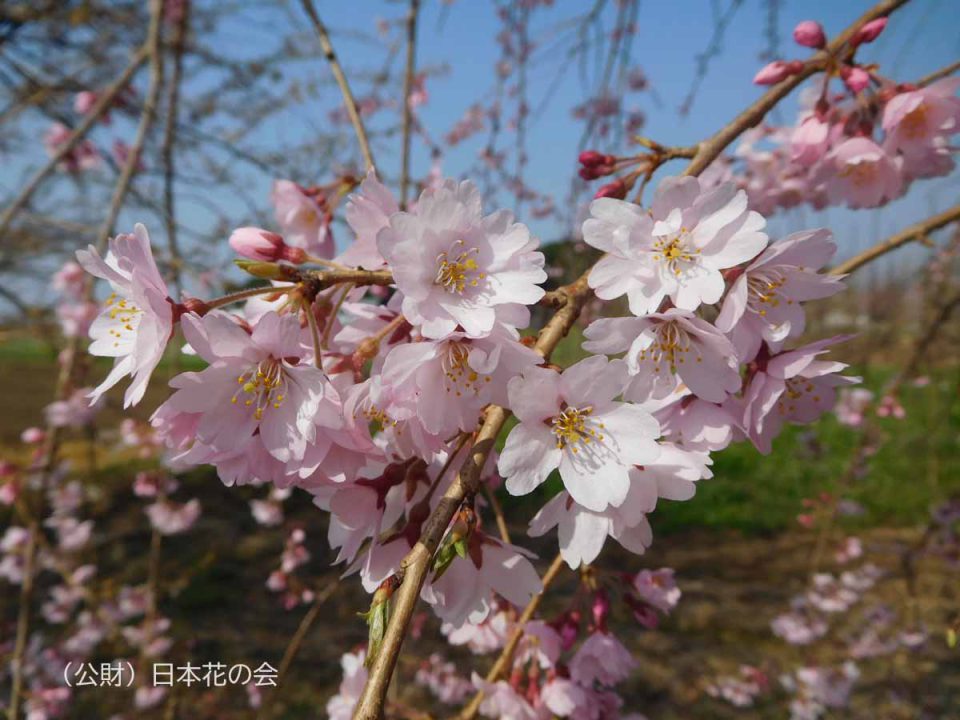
(917, 231)
(348, 101)
(407, 88)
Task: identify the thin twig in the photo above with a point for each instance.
(939, 74)
(168, 143)
(102, 105)
(498, 514)
(23, 621)
(502, 664)
(917, 231)
(407, 89)
(348, 100)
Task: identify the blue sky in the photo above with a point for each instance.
(920, 38)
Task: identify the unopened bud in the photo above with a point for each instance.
(809, 33)
(855, 78)
(617, 189)
(590, 158)
(265, 270)
(869, 32)
(33, 435)
(777, 71)
(257, 244)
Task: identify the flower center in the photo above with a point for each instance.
(126, 317)
(671, 345)
(457, 269)
(860, 173)
(460, 377)
(914, 125)
(675, 251)
(571, 427)
(762, 291)
(262, 387)
(795, 390)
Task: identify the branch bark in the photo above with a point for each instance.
(348, 100)
(917, 231)
(407, 88)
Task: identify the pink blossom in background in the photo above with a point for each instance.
(602, 658)
(171, 518)
(302, 220)
(861, 174)
(851, 405)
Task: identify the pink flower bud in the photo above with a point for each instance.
(600, 609)
(855, 78)
(869, 32)
(776, 71)
(617, 189)
(809, 33)
(589, 158)
(33, 435)
(257, 244)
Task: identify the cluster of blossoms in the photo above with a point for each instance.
(83, 613)
(861, 147)
(365, 398)
(85, 155)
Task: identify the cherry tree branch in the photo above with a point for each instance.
(348, 101)
(502, 664)
(710, 149)
(407, 88)
(102, 105)
(917, 231)
(939, 74)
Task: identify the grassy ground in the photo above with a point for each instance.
(737, 549)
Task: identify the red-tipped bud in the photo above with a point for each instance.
(588, 173)
(809, 33)
(600, 609)
(617, 189)
(869, 32)
(257, 244)
(589, 158)
(777, 71)
(855, 78)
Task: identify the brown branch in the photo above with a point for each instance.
(168, 142)
(102, 105)
(502, 664)
(709, 150)
(348, 100)
(917, 231)
(147, 115)
(939, 74)
(23, 621)
(407, 88)
(293, 647)
(498, 514)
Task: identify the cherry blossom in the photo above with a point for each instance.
(675, 250)
(664, 349)
(861, 173)
(570, 421)
(367, 213)
(764, 302)
(137, 319)
(301, 218)
(459, 268)
(602, 658)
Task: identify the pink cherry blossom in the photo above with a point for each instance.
(809, 141)
(463, 592)
(861, 174)
(602, 658)
(793, 387)
(664, 349)
(447, 382)
(657, 588)
(137, 320)
(301, 219)
(764, 302)
(171, 518)
(367, 213)
(914, 120)
(851, 405)
(254, 391)
(677, 250)
(570, 421)
(457, 267)
(341, 705)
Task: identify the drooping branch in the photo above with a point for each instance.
(76, 137)
(348, 100)
(502, 664)
(917, 231)
(710, 149)
(407, 89)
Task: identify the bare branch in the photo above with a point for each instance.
(407, 89)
